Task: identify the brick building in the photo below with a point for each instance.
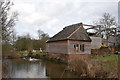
(73, 39)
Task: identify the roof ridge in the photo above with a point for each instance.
(75, 31)
(74, 24)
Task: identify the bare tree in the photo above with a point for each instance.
(40, 32)
(7, 20)
(13, 37)
(105, 25)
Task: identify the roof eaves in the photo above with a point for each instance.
(55, 40)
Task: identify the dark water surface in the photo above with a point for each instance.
(23, 68)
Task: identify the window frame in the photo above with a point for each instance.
(82, 47)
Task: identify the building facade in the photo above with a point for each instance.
(72, 39)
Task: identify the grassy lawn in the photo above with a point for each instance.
(25, 53)
(107, 57)
(110, 61)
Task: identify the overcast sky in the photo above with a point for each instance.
(52, 15)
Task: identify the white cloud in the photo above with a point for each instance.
(52, 15)
(34, 18)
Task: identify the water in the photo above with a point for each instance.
(23, 68)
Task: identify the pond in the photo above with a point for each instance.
(24, 68)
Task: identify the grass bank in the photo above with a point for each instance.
(110, 61)
(97, 66)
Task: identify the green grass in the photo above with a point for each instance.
(25, 53)
(107, 57)
(110, 61)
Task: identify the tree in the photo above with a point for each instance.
(7, 23)
(40, 32)
(106, 26)
(43, 40)
(24, 43)
(43, 37)
(7, 20)
(13, 37)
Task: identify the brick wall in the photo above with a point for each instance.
(87, 47)
(67, 47)
(57, 47)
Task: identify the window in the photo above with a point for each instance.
(76, 47)
(82, 47)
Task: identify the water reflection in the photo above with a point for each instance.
(20, 68)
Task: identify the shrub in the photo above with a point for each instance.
(79, 66)
(87, 67)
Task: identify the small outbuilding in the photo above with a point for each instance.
(73, 39)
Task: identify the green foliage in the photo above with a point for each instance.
(23, 44)
(6, 48)
(25, 53)
(7, 23)
(26, 43)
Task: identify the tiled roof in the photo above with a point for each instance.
(71, 32)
